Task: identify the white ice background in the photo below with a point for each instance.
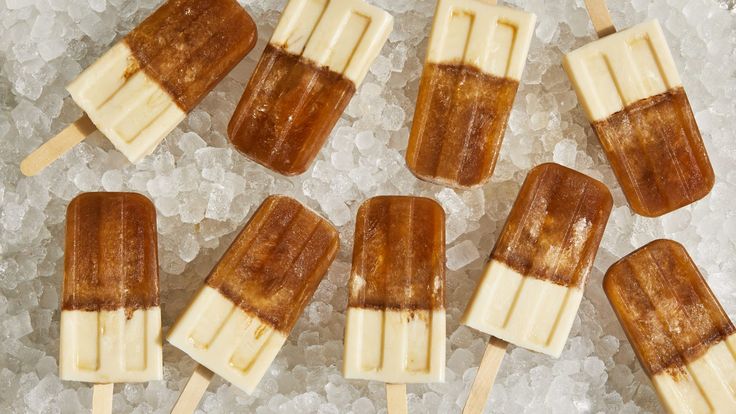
(204, 190)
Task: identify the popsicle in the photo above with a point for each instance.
(476, 56)
(633, 97)
(241, 317)
(318, 55)
(110, 315)
(144, 86)
(395, 328)
(533, 283)
(681, 335)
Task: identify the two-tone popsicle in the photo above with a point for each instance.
(533, 283)
(317, 57)
(395, 328)
(682, 337)
(110, 315)
(241, 317)
(628, 85)
(143, 87)
(477, 52)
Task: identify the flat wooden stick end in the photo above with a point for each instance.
(486, 376)
(102, 398)
(396, 398)
(194, 390)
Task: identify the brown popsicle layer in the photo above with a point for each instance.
(555, 225)
(668, 312)
(188, 46)
(111, 258)
(459, 124)
(287, 111)
(657, 153)
(399, 254)
(277, 261)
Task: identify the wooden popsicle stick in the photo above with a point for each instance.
(102, 398)
(396, 398)
(600, 17)
(54, 148)
(194, 390)
(486, 376)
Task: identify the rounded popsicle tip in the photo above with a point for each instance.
(707, 182)
(411, 165)
(30, 168)
(666, 244)
(401, 198)
(615, 271)
(550, 166)
(547, 166)
(274, 200)
(98, 195)
(602, 189)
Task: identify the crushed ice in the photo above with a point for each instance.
(204, 190)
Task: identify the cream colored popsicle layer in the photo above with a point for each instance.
(144, 86)
(621, 69)
(532, 313)
(707, 386)
(109, 346)
(533, 283)
(344, 36)
(133, 112)
(395, 346)
(240, 319)
(395, 328)
(235, 344)
(494, 39)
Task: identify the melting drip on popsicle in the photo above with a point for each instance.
(318, 55)
(681, 335)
